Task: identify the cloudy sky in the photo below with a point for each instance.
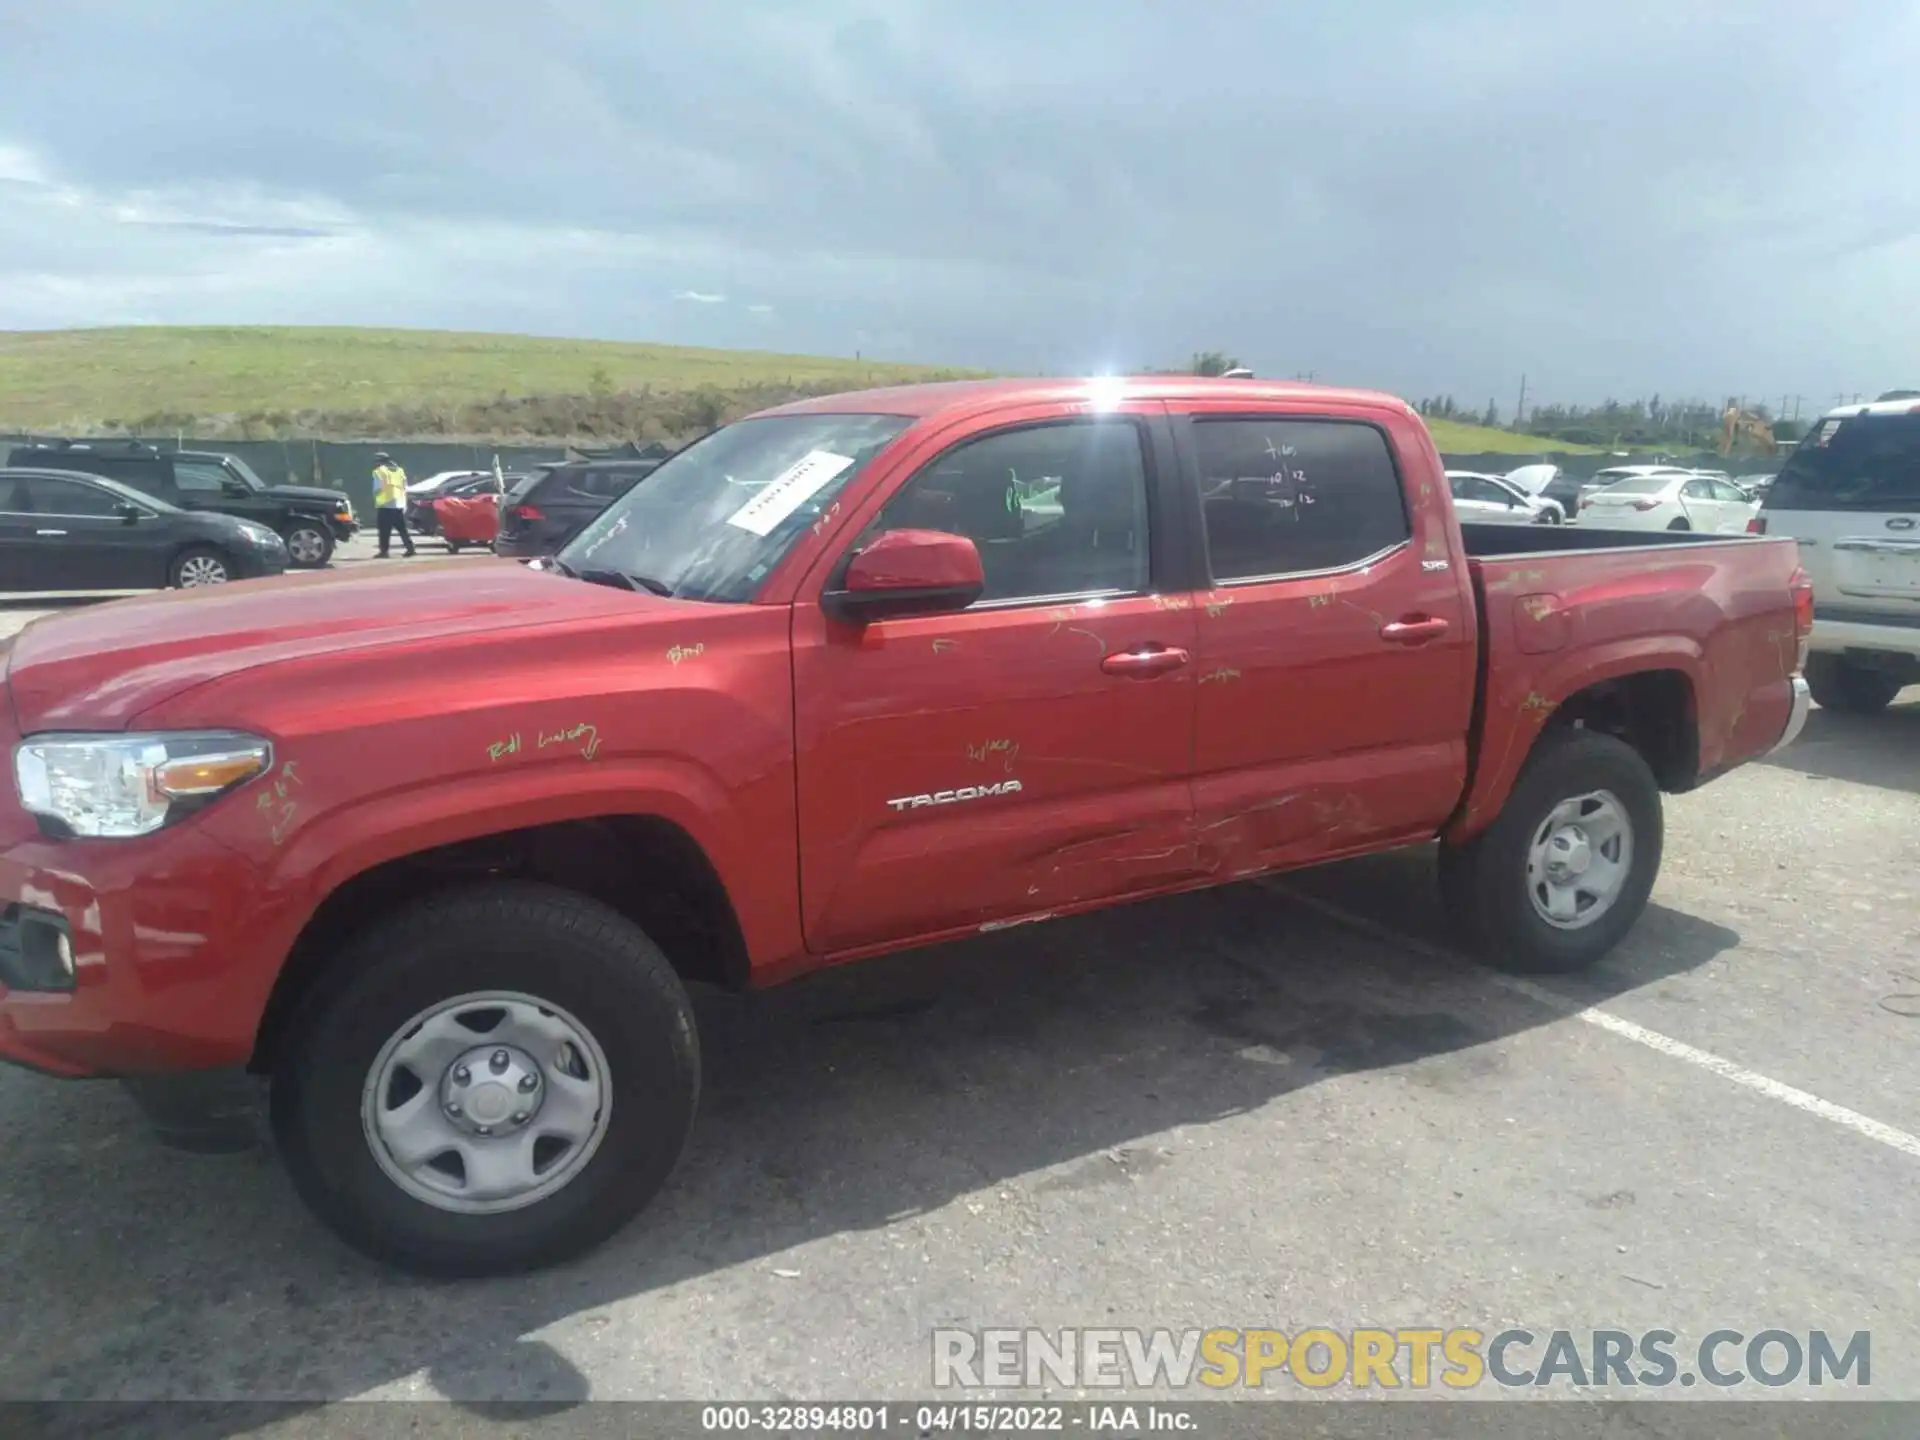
(1691, 197)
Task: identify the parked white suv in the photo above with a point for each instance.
(1850, 494)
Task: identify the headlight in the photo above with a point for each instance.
(260, 534)
(126, 785)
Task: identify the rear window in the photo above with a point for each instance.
(523, 487)
(1858, 462)
(1640, 484)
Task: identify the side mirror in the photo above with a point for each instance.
(908, 572)
(128, 512)
(234, 487)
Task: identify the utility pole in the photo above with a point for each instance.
(1520, 409)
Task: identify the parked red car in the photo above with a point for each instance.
(464, 520)
(438, 849)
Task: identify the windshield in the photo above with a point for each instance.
(713, 520)
(245, 472)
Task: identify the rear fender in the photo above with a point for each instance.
(1524, 691)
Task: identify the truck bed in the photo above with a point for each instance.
(1564, 609)
(1514, 541)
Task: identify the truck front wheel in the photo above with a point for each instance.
(491, 1080)
(1565, 871)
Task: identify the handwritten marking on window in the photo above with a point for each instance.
(1009, 750)
(1220, 676)
(586, 735)
(684, 652)
(500, 749)
(277, 804)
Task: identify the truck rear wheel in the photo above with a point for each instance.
(1565, 871)
(1851, 689)
(491, 1080)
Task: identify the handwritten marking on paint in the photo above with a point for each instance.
(1172, 602)
(1538, 607)
(1319, 602)
(276, 804)
(1220, 676)
(500, 749)
(585, 735)
(941, 645)
(1216, 607)
(1535, 704)
(684, 652)
(1009, 750)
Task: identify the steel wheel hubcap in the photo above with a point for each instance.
(203, 570)
(487, 1102)
(306, 545)
(1579, 860)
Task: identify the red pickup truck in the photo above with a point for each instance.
(438, 849)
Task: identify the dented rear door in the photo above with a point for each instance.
(1337, 639)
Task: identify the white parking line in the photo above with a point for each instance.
(1753, 1080)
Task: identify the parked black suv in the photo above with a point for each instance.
(554, 503)
(311, 520)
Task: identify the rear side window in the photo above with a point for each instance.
(1284, 497)
(1859, 462)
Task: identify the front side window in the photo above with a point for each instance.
(198, 479)
(67, 497)
(711, 522)
(1285, 497)
(1055, 510)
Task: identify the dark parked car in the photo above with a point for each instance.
(554, 503)
(453, 485)
(311, 520)
(64, 531)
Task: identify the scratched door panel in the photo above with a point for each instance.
(1316, 732)
(958, 771)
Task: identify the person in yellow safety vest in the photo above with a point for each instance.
(390, 502)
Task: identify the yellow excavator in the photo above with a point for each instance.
(1744, 433)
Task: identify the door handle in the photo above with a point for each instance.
(49, 532)
(1143, 664)
(1417, 630)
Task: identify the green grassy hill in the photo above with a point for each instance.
(265, 382)
(73, 379)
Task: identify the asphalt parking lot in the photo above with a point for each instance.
(1280, 1104)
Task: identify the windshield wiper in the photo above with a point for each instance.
(621, 578)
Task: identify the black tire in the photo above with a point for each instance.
(1484, 881)
(1682, 524)
(453, 547)
(311, 538)
(196, 566)
(1851, 689)
(546, 943)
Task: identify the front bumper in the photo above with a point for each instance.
(165, 959)
(1797, 716)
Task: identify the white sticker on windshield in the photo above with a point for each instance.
(788, 491)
